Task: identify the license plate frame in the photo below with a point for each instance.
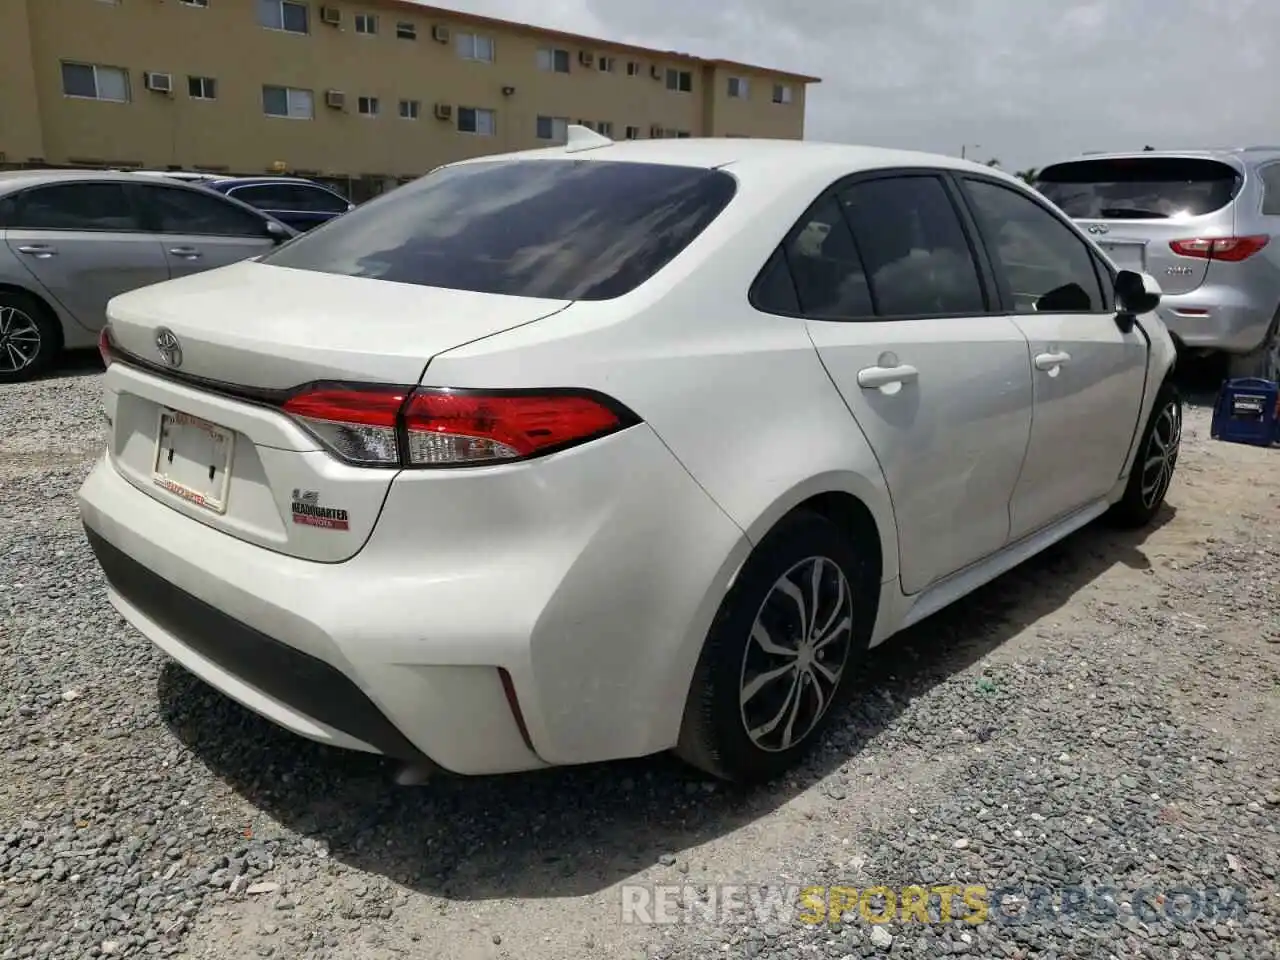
(192, 433)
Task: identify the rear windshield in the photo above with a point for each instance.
(560, 229)
(1139, 187)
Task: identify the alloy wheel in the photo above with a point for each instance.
(20, 340)
(796, 654)
(1161, 455)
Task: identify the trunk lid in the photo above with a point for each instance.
(1135, 206)
(255, 325)
(240, 465)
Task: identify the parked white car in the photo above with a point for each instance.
(608, 449)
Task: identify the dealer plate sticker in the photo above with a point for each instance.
(193, 459)
(308, 512)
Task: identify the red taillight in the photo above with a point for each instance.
(441, 427)
(1227, 249)
(104, 346)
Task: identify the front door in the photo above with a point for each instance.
(939, 383)
(200, 230)
(84, 243)
(1089, 375)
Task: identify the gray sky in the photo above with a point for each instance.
(1029, 80)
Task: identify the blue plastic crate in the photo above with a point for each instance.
(1247, 411)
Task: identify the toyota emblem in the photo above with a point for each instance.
(169, 346)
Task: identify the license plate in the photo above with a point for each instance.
(193, 459)
(1126, 256)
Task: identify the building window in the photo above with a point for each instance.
(94, 82)
(555, 60)
(477, 121)
(605, 127)
(473, 46)
(195, 3)
(738, 88)
(781, 93)
(409, 109)
(633, 68)
(287, 102)
(367, 106)
(367, 23)
(681, 80)
(683, 134)
(633, 133)
(406, 31)
(553, 128)
(606, 64)
(283, 15)
(202, 88)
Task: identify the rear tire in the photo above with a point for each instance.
(29, 337)
(1263, 361)
(1155, 463)
(777, 659)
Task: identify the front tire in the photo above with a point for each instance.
(29, 340)
(778, 656)
(1153, 467)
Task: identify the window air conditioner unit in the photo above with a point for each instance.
(159, 82)
(335, 99)
(444, 111)
(440, 33)
(331, 16)
(586, 57)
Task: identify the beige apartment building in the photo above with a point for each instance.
(367, 89)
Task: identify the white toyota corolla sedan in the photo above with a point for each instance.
(613, 448)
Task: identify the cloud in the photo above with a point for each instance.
(1029, 81)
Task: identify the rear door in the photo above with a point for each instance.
(905, 321)
(1089, 375)
(84, 242)
(199, 229)
(1138, 207)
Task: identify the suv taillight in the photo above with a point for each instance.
(1228, 249)
(381, 426)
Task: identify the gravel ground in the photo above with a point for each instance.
(1094, 736)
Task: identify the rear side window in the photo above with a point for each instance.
(828, 275)
(1139, 188)
(913, 247)
(75, 206)
(560, 229)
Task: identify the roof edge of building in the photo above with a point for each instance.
(481, 20)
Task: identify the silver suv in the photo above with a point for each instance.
(1206, 224)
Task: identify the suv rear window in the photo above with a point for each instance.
(560, 229)
(1139, 188)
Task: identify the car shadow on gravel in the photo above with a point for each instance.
(571, 832)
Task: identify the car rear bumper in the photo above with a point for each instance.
(1213, 317)
(595, 608)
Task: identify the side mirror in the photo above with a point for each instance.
(276, 232)
(1137, 292)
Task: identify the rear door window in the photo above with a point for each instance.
(1139, 188)
(75, 206)
(913, 247)
(558, 229)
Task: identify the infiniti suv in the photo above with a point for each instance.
(1206, 225)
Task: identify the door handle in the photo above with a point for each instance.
(187, 253)
(41, 251)
(872, 378)
(1047, 361)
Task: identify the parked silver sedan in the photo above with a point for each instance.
(72, 240)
